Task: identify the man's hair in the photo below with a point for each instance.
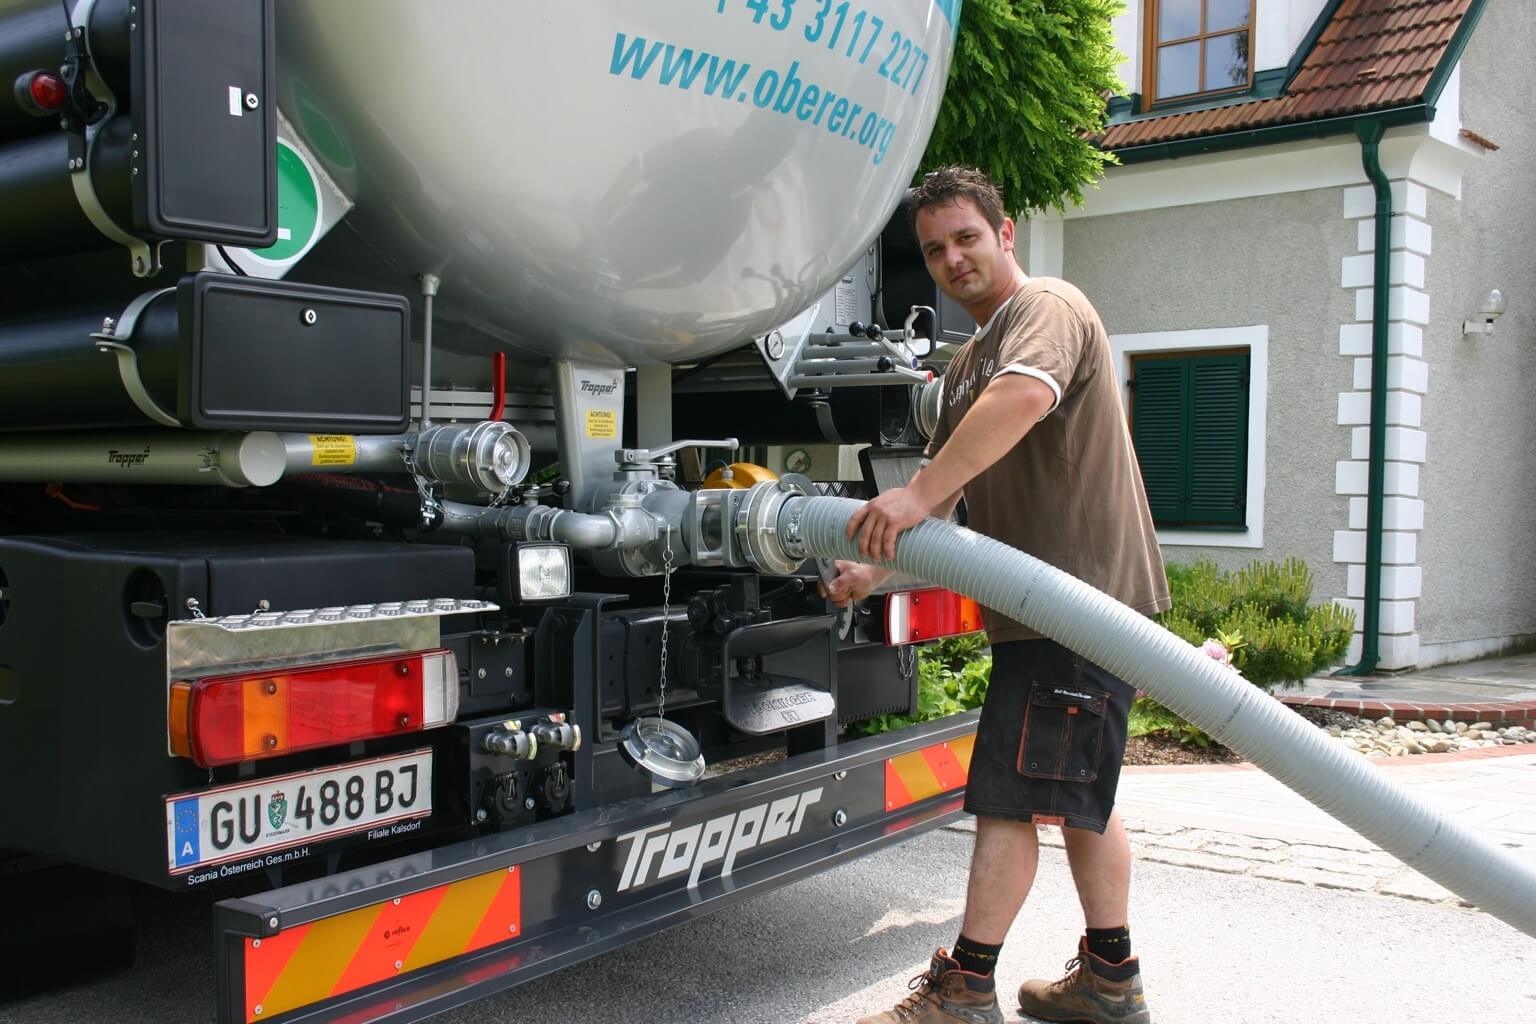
(948, 184)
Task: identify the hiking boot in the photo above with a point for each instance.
(945, 995)
(1094, 991)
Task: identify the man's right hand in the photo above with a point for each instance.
(854, 582)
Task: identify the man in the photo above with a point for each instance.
(1033, 434)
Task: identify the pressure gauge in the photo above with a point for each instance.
(798, 461)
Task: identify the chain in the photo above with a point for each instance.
(429, 503)
(906, 662)
(666, 621)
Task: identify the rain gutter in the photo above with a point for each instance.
(1370, 133)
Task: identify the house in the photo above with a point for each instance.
(1234, 257)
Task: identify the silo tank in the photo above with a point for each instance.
(639, 180)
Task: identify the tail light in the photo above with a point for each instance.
(912, 616)
(228, 719)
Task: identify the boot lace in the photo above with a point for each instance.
(923, 991)
(1074, 968)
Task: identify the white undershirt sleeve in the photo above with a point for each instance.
(1040, 375)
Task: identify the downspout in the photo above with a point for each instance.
(1370, 133)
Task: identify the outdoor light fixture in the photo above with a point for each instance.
(1489, 310)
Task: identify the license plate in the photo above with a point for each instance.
(238, 821)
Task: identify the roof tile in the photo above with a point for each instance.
(1372, 55)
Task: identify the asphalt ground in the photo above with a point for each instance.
(1216, 947)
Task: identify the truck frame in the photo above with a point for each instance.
(444, 674)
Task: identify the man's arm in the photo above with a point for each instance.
(1011, 404)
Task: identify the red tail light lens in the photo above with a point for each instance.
(912, 616)
(228, 719)
(47, 91)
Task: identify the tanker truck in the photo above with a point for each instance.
(398, 403)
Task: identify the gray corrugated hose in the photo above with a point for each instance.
(1207, 693)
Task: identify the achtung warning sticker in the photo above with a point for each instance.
(602, 424)
(333, 449)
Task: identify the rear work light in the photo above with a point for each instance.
(228, 719)
(912, 616)
(543, 571)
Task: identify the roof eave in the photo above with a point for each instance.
(1292, 132)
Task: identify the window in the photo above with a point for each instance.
(1189, 423)
(1197, 48)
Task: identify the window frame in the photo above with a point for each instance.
(1255, 339)
(1151, 45)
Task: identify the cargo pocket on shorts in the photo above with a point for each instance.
(1063, 731)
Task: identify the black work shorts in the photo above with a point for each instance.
(1051, 738)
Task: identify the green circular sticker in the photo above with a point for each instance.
(298, 206)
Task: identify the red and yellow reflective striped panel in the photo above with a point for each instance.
(920, 774)
(341, 954)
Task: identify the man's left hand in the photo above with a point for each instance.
(883, 519)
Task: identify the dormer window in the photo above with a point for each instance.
(1197, 48)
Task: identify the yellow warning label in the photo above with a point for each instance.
(334, 449)
(603, 424)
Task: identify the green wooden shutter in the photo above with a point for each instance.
(1218, 440)
(1189, 424)
(1158, 432)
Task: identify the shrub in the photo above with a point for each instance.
(1263, 615)
(1266, 606)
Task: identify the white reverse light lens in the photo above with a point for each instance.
(544, 572)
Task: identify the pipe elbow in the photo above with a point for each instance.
(580, 530)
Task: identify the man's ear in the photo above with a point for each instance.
(1005, 234)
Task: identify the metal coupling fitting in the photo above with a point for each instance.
(558, 735)
(512, 742)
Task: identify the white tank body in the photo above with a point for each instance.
(645, 180)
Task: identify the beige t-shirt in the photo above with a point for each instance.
(1070, 492)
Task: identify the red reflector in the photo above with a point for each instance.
(912, 616)
(47, 91)
(227, 719)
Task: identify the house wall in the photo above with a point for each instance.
(1478, 545)
(1273, 261)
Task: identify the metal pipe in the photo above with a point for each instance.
(531, 522)
(347, 453)
(491, 455)
(256, 459)
(846, 367)
(897, 378)
(853, 349)
(429, 283)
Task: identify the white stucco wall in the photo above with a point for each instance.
(1478, 545)
(1269, 261)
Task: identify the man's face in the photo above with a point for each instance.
(967, 259)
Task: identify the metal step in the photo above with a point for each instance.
(767, 703)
